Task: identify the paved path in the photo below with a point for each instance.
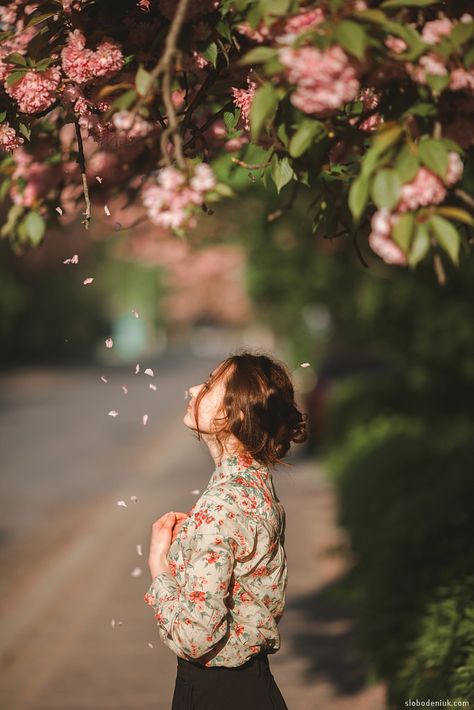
(58, 648)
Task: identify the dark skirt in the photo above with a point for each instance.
(249, 687)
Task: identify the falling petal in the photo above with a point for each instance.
(139, 550)
(152, 386)
(59, 210)
(135, 313)
(136, 572)
(195, 492)
(99, 179)
(186, 394)
(104, 379)
(89, 280)
(305, 364)
(150, 645)
(75, 259)
(137, 369)
(134, 498)
(113, 413)
(125, 389)
(149, 371)
(122, 503)
(112, 623)
(145, 418)
(106, 210)
(109, 343)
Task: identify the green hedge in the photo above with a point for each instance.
(407, 501)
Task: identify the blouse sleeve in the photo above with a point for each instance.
(195, 618)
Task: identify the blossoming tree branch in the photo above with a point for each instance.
(365, 106)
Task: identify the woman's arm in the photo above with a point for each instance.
(195, 617)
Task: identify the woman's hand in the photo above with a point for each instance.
(161, 533)
(180, 518)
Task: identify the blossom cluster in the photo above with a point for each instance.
(9, 140)
(172, 202)
(431, 63)
(83, 65)
(425, 189)
(324, 80)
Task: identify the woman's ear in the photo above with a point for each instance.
(241, 415)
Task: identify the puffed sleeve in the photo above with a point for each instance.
(193, 619)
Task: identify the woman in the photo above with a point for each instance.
(219, 573)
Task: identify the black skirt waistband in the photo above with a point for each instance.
(260, 659)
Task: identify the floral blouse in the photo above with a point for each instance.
(224, 595)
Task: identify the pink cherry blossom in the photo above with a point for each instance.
(300, 23)
(462, 79)
(436, 29)
(455, 168)
(35, 91)
(243, 100)
(203, 179)
(380, 240)
(396, 44)
(173, 199)
(9, 139)
(427, 64)
(83, 65)
(324, 80)
(426, 188)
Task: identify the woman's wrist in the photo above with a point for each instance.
(158, 566)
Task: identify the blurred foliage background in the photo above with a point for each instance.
(389, 397)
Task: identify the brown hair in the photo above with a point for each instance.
(261, 387)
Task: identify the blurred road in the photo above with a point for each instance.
(67, 550)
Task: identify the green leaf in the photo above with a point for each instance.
(383, 140)
(351, 36)
(210, 53)
(36, 19)
(224, 30)
(304, 136)
(385, 189)
(420, 245)
(14, 213)
(282, 172)
(143, 81)
(455, 213)
(264, 106)
(15, 58)
(122, 102)
(3, 116)
(461, 32)
(409, 3)
(437, 83)
(229, 120)
(15, 76)
(358, 196)
(434, 155)
(223, 190)
(446, 235)
(35, 227)
(406, 164)
(25, 130)
(402, 231)
(4, 187)
(259, 55)
(43, 64)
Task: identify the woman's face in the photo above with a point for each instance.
(209, 406)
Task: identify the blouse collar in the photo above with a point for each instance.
(235, 464)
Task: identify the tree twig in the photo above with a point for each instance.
(464, 197)
(82, 166)
(250, 166)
